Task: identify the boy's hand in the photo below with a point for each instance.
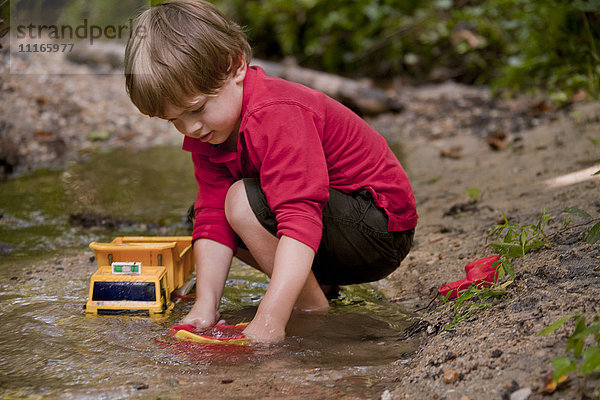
(200, 318)
(212, 265)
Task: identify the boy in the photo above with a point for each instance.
(289, 180)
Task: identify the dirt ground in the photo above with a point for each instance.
(495, 354)
(452, 138)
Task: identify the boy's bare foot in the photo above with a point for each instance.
(317, 304)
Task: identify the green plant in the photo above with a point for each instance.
(473, 194)
(517, 240)
(591, 234)
(515, 44)
(584, 342)
(475, 299)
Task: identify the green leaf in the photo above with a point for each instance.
(508, 268)
(577, 211)
(556, 325)
(562, 366)
(473, 193)
(591, 361)
(523, 240)
(594, 141)
(97, 136)
(574, 342)
(578, 349)
(594, 234)
(517, 251)
(590, 330)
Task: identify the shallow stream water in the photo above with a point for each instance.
(49, 348)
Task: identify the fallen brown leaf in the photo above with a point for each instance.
(452, 152)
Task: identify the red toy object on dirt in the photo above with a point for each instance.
(482, 272)
(218, 334)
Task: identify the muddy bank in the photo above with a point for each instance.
(452, 138)
(496, 353)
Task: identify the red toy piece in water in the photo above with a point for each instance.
(482, 272)
(218, 334)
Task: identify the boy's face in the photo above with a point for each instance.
(211, 118)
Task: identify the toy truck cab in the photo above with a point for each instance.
(139, 273)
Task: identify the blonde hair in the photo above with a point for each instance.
(181, 48)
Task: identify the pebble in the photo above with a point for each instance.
(496, 353)
(521, 394)
(140, 385)
(451, 375)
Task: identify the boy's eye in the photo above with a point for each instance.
(198, 110)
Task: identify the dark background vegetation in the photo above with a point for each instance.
(510, 45)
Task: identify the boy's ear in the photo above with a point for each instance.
(240, 73)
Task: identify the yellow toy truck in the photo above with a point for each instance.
(140, 273)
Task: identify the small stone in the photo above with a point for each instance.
(521, 394)
(386, 395)
(451, 376)
(140, 386)
(496, 353)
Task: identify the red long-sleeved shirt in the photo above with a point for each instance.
(299, 142)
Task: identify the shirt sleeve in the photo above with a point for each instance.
(293, 170)
(213, 181)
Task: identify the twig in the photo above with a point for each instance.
(430, 303)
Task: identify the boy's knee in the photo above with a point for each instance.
(236, 204)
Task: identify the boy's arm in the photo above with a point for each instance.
(213, 260)
(292, 267)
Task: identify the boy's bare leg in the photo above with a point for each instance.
(263, 245)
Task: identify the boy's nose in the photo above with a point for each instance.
(189, 127)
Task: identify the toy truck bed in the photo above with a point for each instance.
(139, 273)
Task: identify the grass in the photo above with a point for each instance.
(475, 299)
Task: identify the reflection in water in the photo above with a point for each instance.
(50, 348)
(113, 193)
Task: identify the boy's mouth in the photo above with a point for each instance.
(206, 137)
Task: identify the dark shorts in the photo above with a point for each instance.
(355, 247)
